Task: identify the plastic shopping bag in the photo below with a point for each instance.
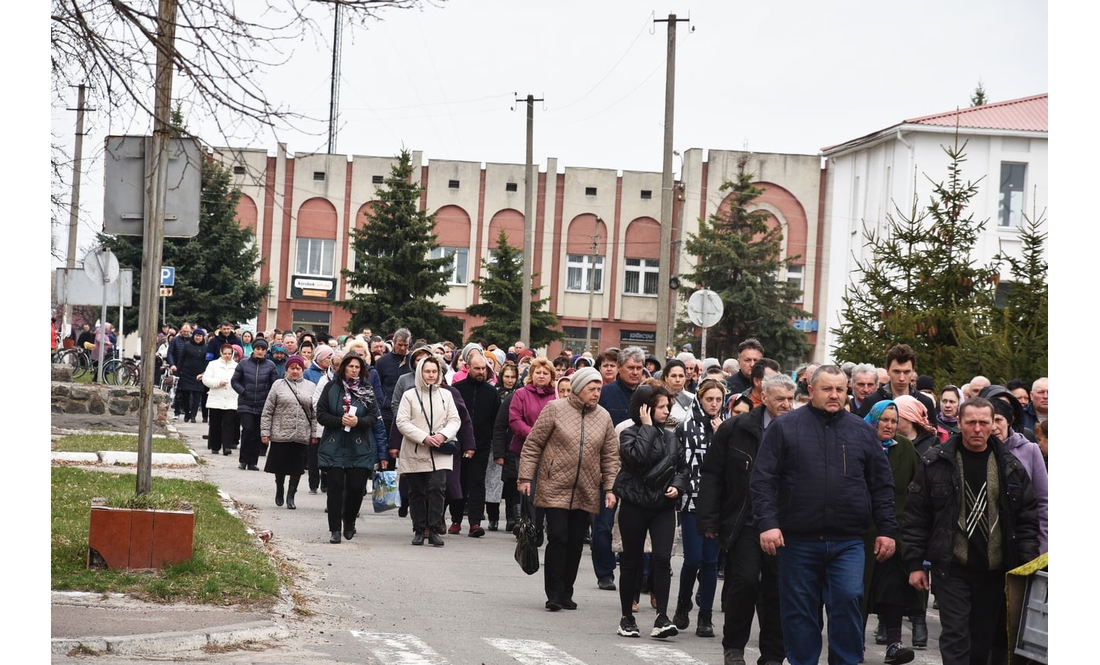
(385, 491)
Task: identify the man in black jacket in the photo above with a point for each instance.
(390, 367)
(723, 510)
(252, 381)
(483, 403)
(900, 360)
(820, 478)
(972, 512)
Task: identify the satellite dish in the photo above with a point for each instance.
(101, 265)
(705, 308)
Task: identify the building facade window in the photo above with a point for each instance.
(315, 257)
(1010, 208)
(579, 270)
(456, 271)
(641, 277)
(795, 276)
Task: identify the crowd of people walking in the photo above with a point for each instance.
(844, 493)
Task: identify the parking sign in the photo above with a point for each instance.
(167, 276)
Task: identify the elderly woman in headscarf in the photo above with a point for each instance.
(913, 423)
(427, 419)
(1007, 415)
(947, 418)
(886, 583)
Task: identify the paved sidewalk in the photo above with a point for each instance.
(118, 625)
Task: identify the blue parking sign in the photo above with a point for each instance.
(167, 276)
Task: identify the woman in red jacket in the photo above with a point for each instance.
(527, 404)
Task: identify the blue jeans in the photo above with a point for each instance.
(700, 560)
(812, 572)
(603, 559)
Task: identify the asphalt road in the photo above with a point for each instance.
(377, 599)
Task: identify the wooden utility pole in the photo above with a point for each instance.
(667, 192)
(528, 225)
(592, 281)
(74, 206)
(153, 237)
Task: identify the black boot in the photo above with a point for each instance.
(279, 494)
(704, 627)
(681, 618)
(880, 633)
(291, 490)
(920, 631)
(516, 514)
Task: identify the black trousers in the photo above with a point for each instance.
(565, 531)
(634, 522)
(250, 438)
(473, 471)
(224, 430)
(313, 470)
(972, 616)
(427, 495)
(346, 488)
(752, 578)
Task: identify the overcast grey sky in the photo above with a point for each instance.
(770, 77)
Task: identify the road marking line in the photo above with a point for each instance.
(659, 653)
(533, 652)
(400, 649)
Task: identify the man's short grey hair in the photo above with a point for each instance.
(826, 369)
(402, 333)
(865, 368)
(730, 366)
(847, 367)
(632, 353)
(775, 381)
(685, 357)
(1035, 384)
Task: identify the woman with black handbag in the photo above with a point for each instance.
(653, 476)
(286, 424)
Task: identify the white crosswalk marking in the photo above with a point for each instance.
(659, 653)
(533, 652)
(400, 649)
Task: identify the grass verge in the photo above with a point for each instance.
(228, 568)
(127, 443)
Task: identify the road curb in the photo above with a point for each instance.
(159, 643)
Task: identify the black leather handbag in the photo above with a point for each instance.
(527, 551)
(658, 477)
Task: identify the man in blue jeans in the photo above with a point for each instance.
(615, 397)
(820, 478)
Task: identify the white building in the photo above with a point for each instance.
(867, 177)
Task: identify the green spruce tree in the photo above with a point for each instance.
(501, 293)
(740, 257)
(1015, 345)
(216, 270)
(394, 283)
(920, 283)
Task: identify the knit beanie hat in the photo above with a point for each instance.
(296, 360)
(468, 348)
(322, 352)
(582, 377)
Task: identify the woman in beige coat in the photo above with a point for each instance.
(286, 424)
(427, 418)
(575, 450)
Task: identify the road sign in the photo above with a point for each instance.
(165, 291)
(705, 308)
(101, 265)
(167, 276)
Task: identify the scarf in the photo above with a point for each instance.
(359, 390)
(696, 433)
(875, 415)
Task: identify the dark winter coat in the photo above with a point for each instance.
(822, 476)
(360, 448)
(724, 503)
(190, 363)
(215, 342)
(483, 402)
(935, 496)
(641, 448)
(252, 381)
(390, 367)
(615, 397)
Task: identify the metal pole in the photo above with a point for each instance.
(153, 240)
(528, 227)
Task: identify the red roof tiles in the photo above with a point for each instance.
(1028, 114)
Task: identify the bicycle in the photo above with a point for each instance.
(76, 359)
(122, 371)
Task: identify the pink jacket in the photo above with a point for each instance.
(526, 406)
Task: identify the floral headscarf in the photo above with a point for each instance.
(875, 415)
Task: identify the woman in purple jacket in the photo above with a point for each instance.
(527, 404)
